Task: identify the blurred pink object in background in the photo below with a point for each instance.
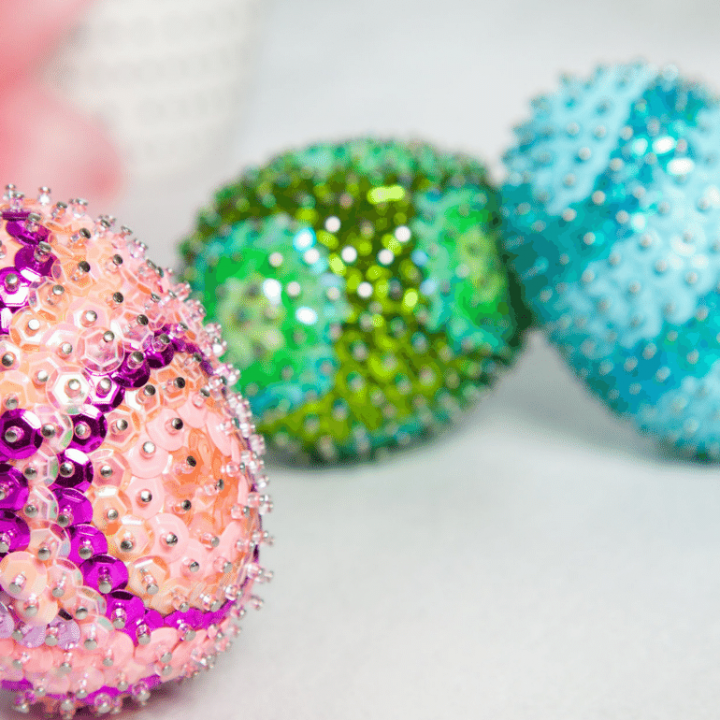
(43, 141)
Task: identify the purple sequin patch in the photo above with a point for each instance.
(25, 686)
(75, 469)
(14, 490)
(14, 533)
(131, 375)
(105, 573)
(20, 434)
(19, 230)
(90, 429)
(86, 539)
(32, 265)
(73, 506)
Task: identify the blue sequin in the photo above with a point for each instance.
(612, 219)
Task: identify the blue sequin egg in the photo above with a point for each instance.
(612, 219)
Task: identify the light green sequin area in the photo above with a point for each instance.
(279, 306)
(426, 316)
(465, 278)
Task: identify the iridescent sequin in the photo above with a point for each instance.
(612, 209)
(361, 291)
(131, 482)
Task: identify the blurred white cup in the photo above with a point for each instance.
(167, 79)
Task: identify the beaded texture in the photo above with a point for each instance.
(165, 78)
(361, 290)
(131, 483)
(612, 210)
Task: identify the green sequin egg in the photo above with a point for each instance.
(361, 292)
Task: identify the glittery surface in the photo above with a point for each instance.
(131, 483)
(361, 291)
(612, 211)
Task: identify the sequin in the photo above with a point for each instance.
(75, 469)
(86, 542)
(99, 352)
(361, 291)
(13, 488)
(20, 434)
(611, 212)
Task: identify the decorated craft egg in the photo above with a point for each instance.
(361, 290)
(131, 483)
(612, 213)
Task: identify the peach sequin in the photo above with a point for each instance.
(131, 482)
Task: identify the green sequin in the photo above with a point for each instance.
(361, 292)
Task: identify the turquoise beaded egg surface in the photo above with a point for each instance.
(612, 218)
(364, 292)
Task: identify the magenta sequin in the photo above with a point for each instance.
(13, 488)
(75, 469)
(86, 541)
(19, 434)
(105, 573)
(90, 429)
(14, 532)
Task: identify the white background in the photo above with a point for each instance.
(541, 561)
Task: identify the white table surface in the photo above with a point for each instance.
(541, 561)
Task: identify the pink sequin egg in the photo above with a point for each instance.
(131, 479)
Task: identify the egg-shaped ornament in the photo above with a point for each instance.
(362, 293)
(612, 217)
(131, 478)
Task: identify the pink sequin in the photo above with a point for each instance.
(114, 424)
